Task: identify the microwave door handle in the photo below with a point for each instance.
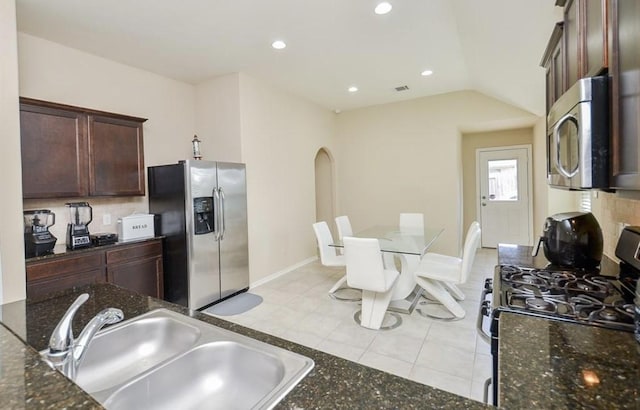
(222, 214)
(556, 139)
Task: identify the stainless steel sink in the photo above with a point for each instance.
(224, 375)
(122, 352)
(165, 360)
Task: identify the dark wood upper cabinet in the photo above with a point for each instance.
(624, 71)
(553, 62)
(77, 152)
(116, 156)
(53, 144)
(585, 39)
(571, 49)
(594, 39)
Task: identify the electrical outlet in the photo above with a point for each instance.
(106, 219)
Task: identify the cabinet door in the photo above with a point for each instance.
(595, 58)
(142, 276)
(116, 158)
(42, 287)
(137, 267)
(553, 64)
(624, 55)
(571, 48)
(54, 147)
(56, 274)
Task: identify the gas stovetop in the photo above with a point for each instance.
(571, 295)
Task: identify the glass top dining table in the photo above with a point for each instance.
(394, 240)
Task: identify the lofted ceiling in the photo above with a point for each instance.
(492, 46)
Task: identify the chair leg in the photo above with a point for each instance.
(438, 291)
(374, 306)
(454, 290)
(342, 284)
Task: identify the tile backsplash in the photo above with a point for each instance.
(101, 206)
(612, 210)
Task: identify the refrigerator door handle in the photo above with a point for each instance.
(222, 219)
(216, 213)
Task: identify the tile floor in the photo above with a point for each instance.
(446, 355)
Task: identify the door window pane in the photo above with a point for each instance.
(503, 180)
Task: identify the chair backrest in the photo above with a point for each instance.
(328, 255)
(471, 243)
(344, 226)
(365, 269)
(412, 222)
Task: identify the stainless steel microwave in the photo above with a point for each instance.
(578, 137)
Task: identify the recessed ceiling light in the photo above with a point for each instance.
(426, 73)
(278, 44)
(352, 89)
(383, 8)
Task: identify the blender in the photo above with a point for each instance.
(37, 238)
(80, 215)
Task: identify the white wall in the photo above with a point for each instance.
(405, 157)
(218, 118)
(281, 135)
(12, 273)
(53, 72)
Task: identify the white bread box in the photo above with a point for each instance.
(135, 227)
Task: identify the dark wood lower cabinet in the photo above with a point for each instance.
(137, 267)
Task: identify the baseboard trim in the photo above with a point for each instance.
(276, 275)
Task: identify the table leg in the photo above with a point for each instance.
(405, 295)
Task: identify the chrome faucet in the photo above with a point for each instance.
(66, 353)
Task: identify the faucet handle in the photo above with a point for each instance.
(62, 336)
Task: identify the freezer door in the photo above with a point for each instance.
(202, 234)
(234, 243)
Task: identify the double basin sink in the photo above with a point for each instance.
(165, 360)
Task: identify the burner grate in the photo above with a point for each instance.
(579, 296)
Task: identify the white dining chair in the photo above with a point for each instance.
(366, 271)
(344, 226)
(440, 274)
(412, 222)
(330, 257)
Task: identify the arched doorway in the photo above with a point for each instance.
(324, 187)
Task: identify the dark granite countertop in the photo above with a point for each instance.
(61, 250)
(548, 364)
(27, 382)
(519, 255)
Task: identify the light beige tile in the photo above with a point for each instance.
(453, 384)
(482, 367)
(447, 359)
(352, 334)
(398, 346)
(478, 391)
(318, 324)
(301, 337)
(454, 336)
(386, 363)
(341, 350)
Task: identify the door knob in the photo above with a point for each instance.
(484, 204)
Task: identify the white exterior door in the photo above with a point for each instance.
(504, 202)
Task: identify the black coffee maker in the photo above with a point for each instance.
(37, 238)
(80, 215)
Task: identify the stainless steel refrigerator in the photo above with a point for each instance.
(201, 209)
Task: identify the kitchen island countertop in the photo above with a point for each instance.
(549, 364)
(26, 382)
